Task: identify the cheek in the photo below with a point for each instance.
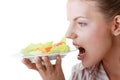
(98, 39)
(97, 43)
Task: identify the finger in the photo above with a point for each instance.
(47, 63)
(29, 64)
(39, 64)
(58, 61)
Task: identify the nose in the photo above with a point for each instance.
(71, 33)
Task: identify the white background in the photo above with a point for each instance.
(30, 21)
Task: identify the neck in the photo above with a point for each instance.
(111, 62)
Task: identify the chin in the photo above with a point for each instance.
(88, 63)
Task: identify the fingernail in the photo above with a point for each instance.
(37, 58)
(58, 57)
(24, 60)
(44, 58)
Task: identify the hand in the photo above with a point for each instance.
(45, 68)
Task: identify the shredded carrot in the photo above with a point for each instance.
(60, 43)
(46, 49)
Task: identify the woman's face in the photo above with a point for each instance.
(89, 30)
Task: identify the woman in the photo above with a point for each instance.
(95, 31)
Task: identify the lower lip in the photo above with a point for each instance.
(80, 56)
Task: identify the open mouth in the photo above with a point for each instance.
(81, 54)
(81, 50)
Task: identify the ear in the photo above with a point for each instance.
(116, 27)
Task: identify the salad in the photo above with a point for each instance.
(46, 48)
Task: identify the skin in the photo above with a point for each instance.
(89, 29)
(46, 71)
(91, 33)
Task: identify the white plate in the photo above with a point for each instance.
(51, 56)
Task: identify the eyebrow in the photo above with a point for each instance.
(74, 19)
(78, 17)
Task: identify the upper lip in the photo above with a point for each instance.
(80, 48)
(75, 44)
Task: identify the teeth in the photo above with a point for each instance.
(77, 46)
(81, 49)
(81, 53)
